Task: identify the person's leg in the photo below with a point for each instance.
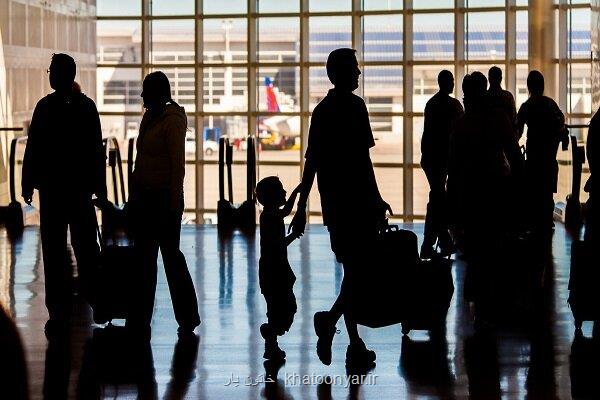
(57, 271)
(337, 246)
(84, 239)
(145, 233)
(357, 257)
(430, 228)
(181, 286)
(275, 326)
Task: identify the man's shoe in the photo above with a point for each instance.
(357, 355)
(325, 331)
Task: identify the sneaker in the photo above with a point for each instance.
(273, 351)
(359, 355)
(325, 331)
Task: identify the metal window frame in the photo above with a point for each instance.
(356, 13)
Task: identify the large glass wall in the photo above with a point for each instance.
(247, 67)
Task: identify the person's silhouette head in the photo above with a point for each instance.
(342, 69)
(62, 72)
(446, 81)
(156, 90)
(495, 76)
(270, 192)
(479, 84)
(535, 83)
(474, 88)
(466, 85)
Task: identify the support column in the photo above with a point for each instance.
(304, 87)
(407, 132)
(541, 43)
(199, 115)
(510, 74)
(459, 47)
(595, 55)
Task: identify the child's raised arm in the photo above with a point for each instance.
(289, 204)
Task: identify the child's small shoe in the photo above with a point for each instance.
(273, 352)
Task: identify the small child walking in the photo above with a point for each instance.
(275, 275)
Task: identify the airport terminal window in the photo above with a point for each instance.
(272, 91)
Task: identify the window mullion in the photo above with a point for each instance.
(407, 137)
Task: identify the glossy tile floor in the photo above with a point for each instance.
(227, 363)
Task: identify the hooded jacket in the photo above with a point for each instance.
(160, 161)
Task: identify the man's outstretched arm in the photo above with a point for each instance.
(298, 223)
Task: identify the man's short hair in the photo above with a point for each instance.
(495, 75)
(339, 60)
(444, 78)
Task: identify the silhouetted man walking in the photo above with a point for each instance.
(65, 161)
(338, 153)
(546, 129)
(441, 112)
(500, 98)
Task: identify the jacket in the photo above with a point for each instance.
(160, 161)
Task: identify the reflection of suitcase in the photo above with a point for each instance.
(584, 367)
(113, 363)
(584, 297)
(114, 279)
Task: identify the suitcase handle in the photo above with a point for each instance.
(389, 228)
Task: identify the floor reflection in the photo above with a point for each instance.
(425, 366)
(540, 359)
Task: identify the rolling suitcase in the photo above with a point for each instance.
(114, 280)
(376, 297)
(584, 298)
(427, 292)
(401, 288)
(12, 214)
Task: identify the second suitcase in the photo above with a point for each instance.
(584, 297)
(114, 279)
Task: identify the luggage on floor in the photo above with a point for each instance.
(398, 287)
(113, 280)
(427, 293)
(584, 296)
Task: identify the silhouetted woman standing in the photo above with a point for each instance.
(157, 206)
